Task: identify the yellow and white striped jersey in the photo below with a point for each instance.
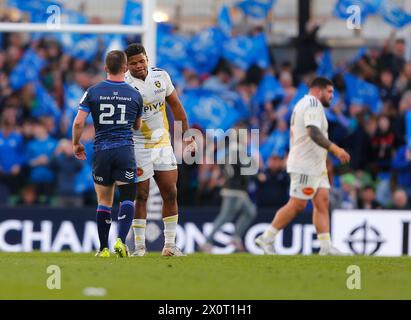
(154, 131)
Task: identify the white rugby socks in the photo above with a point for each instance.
(139, 228)
(170, 230)
(325, 240)
(270, 233)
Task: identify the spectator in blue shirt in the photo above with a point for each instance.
(11, 151)
(66, 167)
(84, 184)
(401, 165)
(38, 155)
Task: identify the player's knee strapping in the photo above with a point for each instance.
(126, 213)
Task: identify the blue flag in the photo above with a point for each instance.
(362, 92)
(394, 15)
(172, 50)
(359, 55)
(390, 12)
(209, 110)
(277, 143)
(236, 102)
(44, 104)
(302, 90)
(329, 112)
(72, 95)
(37, 10)
(113, 42)
(408, 127)
(325, 67)
(268, 90)
(239, 51)
(257, 9)
(261, 51)
(165, 28)
(132, 14)
(224, 21)
(205, 50)
(66, 39)
(367, 7)
(27, 70)
(85, 48)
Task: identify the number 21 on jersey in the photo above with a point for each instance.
(105, 117)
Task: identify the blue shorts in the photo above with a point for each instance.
(114, 165)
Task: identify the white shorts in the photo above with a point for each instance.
(154, 159)
(305, 187)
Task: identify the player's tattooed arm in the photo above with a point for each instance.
(317, 136)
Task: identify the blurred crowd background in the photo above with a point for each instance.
(225, 75)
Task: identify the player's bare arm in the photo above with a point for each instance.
(318, 137)
(78, 127)
(137, 123)
(180, 115)
(177, 110)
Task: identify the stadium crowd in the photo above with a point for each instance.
(36, 159)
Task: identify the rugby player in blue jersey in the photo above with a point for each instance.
(115, 108)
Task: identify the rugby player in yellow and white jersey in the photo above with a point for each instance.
(153, 151)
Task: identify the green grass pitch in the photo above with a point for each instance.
(199, 276)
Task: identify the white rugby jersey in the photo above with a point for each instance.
(306, 157)
(154, 131)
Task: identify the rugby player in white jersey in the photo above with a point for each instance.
(153, 151)
(306, 165)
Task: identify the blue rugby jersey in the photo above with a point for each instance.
(114, 107)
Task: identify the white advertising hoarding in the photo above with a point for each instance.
(372, 232)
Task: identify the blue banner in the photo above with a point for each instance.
(37, 10)
(277, 143)
(27, 70)
(408, 127)
(244, 51)
(390, 12)
(358, 56)
(132, 14)
(239, 51)
(268, 90)
(367, 7)
(302, 90)
(172, 50)
(261, 51)
(362, 92)
(45, 105)
(236, 102)
(257, 9)
(209, 110)
(325, 67)
(394, 15)
(224, 21)
(85, 48)
(72, 95)
(205, 50)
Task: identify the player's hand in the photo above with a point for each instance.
(79, 151)
(340, 153)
